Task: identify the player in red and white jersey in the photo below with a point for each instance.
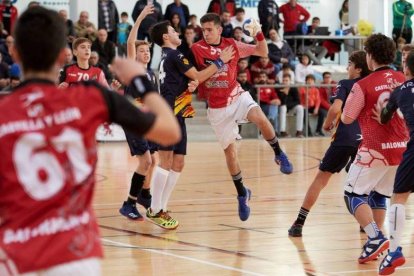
(49, 155)
(229, 104)
(374, 168)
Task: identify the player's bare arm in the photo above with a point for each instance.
(131, 49)
(332, 114)
(226, 55)
(165, 129)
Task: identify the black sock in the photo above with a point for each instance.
(137, 182)
(145, 193)
(303, 213)
(275, 145)
(238, 182)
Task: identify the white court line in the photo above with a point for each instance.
(366, 270)
(184, 257)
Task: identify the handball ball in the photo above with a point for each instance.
(250, 27)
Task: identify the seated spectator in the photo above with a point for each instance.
(310, 99)
(238, 20)
(313, 48)
(197, 28)
(187, 41)
(94, 61)
(264, 65)
(84, 28)
(123, 29)
(218, 6)
(104, 47)
(286, 69)
(398, 54)
(243, 65)
(303, 69)
(5, 50)
(13, 82)
(15, 70)
(70, 29)
(269, 101)
(326, 92)
(280, 52)
(226, 24)
(68, 56)
(176, 24)
(290, 103)
(242, 78)
(4, 74)
(238, 34)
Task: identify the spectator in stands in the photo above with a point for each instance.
(405, 51)
(123, 29)
(269, 101)
(325, 94)
(242, 78)
(344, 14)
(13, 81)
(402, 11)
(280, 52)
(218, 6)
(238, 34)
(313, 47)
(104, 47)
(70, 29)
(398, 54)
(85, 28)
(243, 66)
(175, 23)
(237, 21)
(268, 15)
(293, 14)
(108, 18)
(8, 15)
(286, 69)
(5, 50)
(149, 21)
(226, 24)
(68, 56)
(197, 28)
(263, 65)
(290, 103)
(179, 8)
(94, 61)
(187, 41)
(303, 69)
(4, 74)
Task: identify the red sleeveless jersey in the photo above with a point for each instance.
(381, 144)
(218, 88)
(47, 166)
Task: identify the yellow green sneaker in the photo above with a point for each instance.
(162, 219)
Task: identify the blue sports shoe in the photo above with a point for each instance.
(391, 262)
(285, 165)
(373, 247)
(146, 202)
(244, 209)
(130, 211)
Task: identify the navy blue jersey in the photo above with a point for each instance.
(345, 135)
(174, 82)
(403, 98)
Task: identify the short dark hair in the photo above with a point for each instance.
(310, 77)
(286, 76)
(409, 62)
(381, 48)
(158, 31)
(407, 47)
(124, 14)
(316, 18)
(211, 17)
(326, 73)
(238, 10)
(359, 59)
(79, 41)
(40, 36)
(193, 16)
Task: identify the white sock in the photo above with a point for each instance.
(158, 184)
(169, 187)
(372, 230)
(396, 219)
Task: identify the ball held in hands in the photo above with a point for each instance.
(251, 27)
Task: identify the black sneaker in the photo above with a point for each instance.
(130, 211)
(295, 230)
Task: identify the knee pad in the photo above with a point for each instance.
(353, 201)
(377, 200)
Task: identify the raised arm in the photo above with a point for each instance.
(131, 49)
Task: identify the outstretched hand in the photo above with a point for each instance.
(148, 9)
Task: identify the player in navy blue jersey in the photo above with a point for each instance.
(345, 140)
(176, 73)
(403, 99)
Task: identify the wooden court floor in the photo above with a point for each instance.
(211, 240)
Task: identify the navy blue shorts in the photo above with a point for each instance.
(336, 158)
(404, 178)
(138, 145)
(180, 147)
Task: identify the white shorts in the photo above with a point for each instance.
(362, 180)
(85, 267)
(224, 121)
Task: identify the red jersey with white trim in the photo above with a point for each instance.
(47, 174)
(220, 87)
(382, 145)
(73, 74)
